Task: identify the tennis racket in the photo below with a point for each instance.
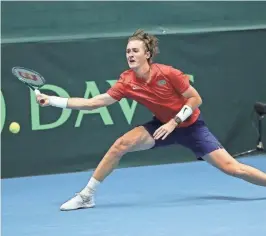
(30, 78)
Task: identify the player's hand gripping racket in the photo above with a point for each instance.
(31, 78)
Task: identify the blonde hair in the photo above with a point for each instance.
(150, 42)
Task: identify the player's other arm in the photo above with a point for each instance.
(181, 83)
(193, 98)
(100, 100)
(193, 101)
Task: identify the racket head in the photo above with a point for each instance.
(28, 76)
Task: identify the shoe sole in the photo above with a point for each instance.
(79, 208)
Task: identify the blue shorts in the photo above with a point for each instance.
(196, 137)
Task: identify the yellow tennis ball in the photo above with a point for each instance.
(14, 127)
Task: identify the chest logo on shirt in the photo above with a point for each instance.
(135, 87)
(161, 82)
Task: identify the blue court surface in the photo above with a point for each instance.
(175, 199)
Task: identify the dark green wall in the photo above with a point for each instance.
(51, 20)
(228, 69)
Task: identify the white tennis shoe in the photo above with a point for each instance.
(78, 202)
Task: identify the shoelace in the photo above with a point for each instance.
(83, 197)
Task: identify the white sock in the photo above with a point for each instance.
(91, 187)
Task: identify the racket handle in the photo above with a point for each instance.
(37, 92)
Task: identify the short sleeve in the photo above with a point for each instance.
(179, 80)
(117, 91)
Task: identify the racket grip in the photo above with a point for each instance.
(37, 92)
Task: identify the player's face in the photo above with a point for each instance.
(136, 54)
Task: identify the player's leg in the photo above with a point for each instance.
(134, 140)
(204, 144)
(140, 138)
(225, 162)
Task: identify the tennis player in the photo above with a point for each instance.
(167, 93)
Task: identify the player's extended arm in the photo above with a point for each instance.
(100, 100)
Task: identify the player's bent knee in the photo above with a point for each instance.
(123, 145)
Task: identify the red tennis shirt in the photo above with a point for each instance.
(162, 95)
